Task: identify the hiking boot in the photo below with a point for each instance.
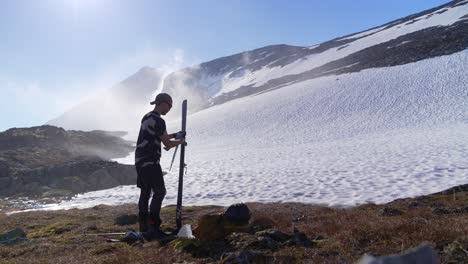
(155, 234)
(143, 222)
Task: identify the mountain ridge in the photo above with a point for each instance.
(438, 31)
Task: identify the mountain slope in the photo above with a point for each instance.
(439, 31)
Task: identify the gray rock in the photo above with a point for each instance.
(266, 243)
(462, 210)
(299, 239)
(274, 234)
(423, 254)
(416, 204)
(441, 211)
(246, 256)
(387, 211)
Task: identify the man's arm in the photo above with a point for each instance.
(168, 143)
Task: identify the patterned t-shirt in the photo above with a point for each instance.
(148, 148)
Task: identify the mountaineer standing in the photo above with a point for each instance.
(149, 172)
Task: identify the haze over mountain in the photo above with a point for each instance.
(435, 32)
(372, 116)
(117, 108)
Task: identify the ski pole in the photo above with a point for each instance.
(173, 157)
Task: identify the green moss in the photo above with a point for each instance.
(187, 209)
(57, 193)
(34, 226)
(4, 203)
(53, 230)
(185, 244)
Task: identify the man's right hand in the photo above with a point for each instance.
(180, 135)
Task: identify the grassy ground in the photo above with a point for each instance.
(341, 235)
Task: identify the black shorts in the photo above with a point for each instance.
(150, 177)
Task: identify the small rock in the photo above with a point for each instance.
(299, 239)
(436, 204)
(387, 211)
(274, 234)
(245, 256)
(441, 211)
(462, 210)
(416, 204)
(267, 243)
(319, 237)
(126, 220)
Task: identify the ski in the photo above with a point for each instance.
(181, 169)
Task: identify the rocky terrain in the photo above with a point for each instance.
(276, 233)
(50, 161)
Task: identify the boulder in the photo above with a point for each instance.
(237, 214)
(210, 227)
(217, 226)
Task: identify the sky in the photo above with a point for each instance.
(57, 53)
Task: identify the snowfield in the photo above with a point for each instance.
(371, 136)
(363, 40)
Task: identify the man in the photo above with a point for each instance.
(147, 157)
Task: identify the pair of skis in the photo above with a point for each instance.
(181, 168)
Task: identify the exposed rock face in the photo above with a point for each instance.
(47, 159)
(75, 177)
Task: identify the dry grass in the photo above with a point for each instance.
(341, 235)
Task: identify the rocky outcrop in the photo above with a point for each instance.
(48, 160)
(72, 178)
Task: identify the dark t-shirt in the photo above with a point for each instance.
(148, 148)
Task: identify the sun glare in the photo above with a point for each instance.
(82, 4)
